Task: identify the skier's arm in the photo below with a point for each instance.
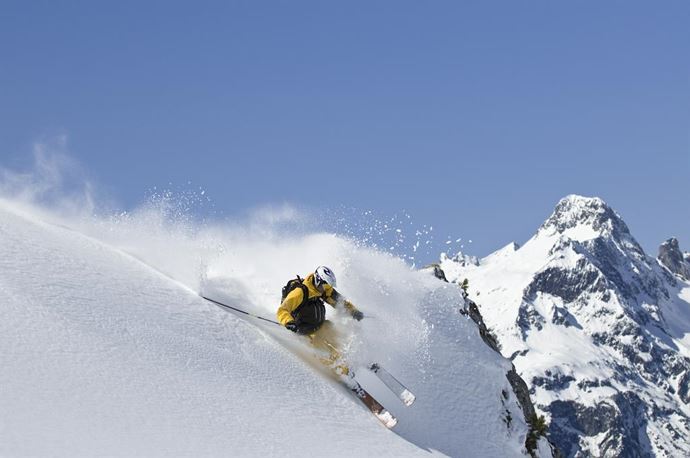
(336, 299)
(291, 302)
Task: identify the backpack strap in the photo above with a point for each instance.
(305, 297)
(305, 291)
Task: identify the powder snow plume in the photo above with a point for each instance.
(112, 351)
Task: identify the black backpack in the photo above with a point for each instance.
(294, 284)
(310, 313)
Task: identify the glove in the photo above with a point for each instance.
(300, 328)
(357, 315)
(294, 327)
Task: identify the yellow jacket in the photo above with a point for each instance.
(294, 299)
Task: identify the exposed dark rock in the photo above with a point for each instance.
(673, 259)
(566, 284)
(588, 384)
(553, 381)
(621, 420)
(518, 353)
(563, 317)
(684, 387)
(486, 335)
(529, 318)
(650, 361)
(437, 271)
(522, 392)
(605, 256)
(630, 436)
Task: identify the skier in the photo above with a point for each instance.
(303, 312)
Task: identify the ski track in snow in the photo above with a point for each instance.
(105, 355)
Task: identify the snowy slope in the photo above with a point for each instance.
(107, 350)
(597, 328)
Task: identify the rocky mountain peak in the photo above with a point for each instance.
(673, 259)
(596, 327)
(592, 212)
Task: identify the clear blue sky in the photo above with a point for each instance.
(475, 117)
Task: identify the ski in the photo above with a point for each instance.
(380, 412)
(393, 384)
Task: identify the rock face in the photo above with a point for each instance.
(437, 271)
(596, 327)
(673, 259)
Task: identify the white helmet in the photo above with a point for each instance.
(322, 275)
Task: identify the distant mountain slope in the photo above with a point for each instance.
(104, 355)
(600, 330)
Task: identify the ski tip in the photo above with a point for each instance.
(388, 420)
(407, 398)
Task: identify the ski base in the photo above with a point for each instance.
(383, 415)
(406, 396)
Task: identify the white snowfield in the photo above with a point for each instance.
(107, 350)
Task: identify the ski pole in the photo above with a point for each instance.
(238, 310)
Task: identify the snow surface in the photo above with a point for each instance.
(107, 349)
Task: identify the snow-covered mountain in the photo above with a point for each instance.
(598, 329)
(107, 350)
